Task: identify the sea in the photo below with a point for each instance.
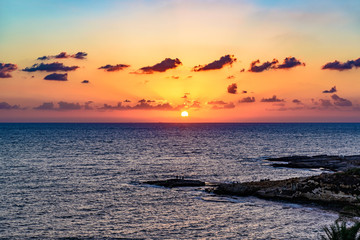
(85, 180)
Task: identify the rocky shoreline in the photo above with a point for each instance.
(339, 188)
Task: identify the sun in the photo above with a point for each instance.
(184, 114)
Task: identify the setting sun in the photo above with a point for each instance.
(184, 114)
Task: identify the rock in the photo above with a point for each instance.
(175, 182)
(333, 163)
(341, 188)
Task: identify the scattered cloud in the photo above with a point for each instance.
(175, 77)
(51, 67)
(272, 99)
(325, 103)
(242, 70)
(231, 77)
(7, 106)
(114, 68)
(78, 55)
(87, 105)
(262, 67)
(127, 101)
(341, 102)
(288, 62)
(217, 64)
(244, 91)
(218, 102)
(6, 68)
(85, 81)
(163, 66)
(68, 106)
(247, 100)
(46, 106)
(232, 88)
(56, 77)
(336, 65)
(229, 105)
(332, 90)
(296, 101)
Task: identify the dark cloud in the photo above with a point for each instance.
(218, 64)
(325, 103)
(116, 107)
(46, 106)
(62, 55)
(7, 106)
(167, 64)
(114, 68)
(296, 101)
(332, 90)
(6, 68)
(336, 65)
(218, 102)
(63, 106)
(56, 77)
(262, 67)
(242, 70)
(87, 105)
(51, 67)
(127, 101)
(272, 99)
(247, 100)
(341, 102)
(232, 88)
(244, 91)
(290, 62)
(68, 106)
(231, 77)
(85, 81)
(78, 55)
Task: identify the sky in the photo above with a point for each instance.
(148, 61)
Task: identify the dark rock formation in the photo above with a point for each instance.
(334, 163)
(176, 183)
(336, 188)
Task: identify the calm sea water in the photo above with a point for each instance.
(83, 180)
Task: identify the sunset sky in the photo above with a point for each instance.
(147, 61)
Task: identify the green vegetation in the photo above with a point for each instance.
(342, 232)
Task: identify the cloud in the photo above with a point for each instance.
(6, 106)
(290, 62)
(341, 102)
(6, 68)
(46, 106)
(56, 77)
(296, 101)
(127, 101)
(232, 88)
(78, 55)
(242, 70)
(114, 68)
(247, 100)
(217, 64)
(244, 91)
(63, 106)
(163, 66)
(336, 65)
(175, 77)
(223, 105)
(142, 105)
(85, 81)
(230, 77)
(325, 103)
(218, 102)
(262, 67)
(51, 67)
(87, 105)
(332, 90)
(272, 99)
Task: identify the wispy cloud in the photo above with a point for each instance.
(272, 99)
(50, 67)
(114, 68)
(78, 55)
